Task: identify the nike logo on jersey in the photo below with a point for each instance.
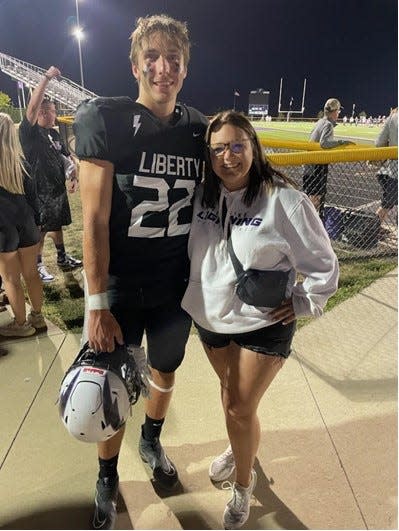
(196, 135)
(136, 123)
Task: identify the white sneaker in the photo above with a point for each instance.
(45, 276)
(222, 466)
(37, 320)
(237, 510)
(13, 329)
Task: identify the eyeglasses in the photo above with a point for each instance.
(236, 147)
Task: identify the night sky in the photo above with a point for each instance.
(345, 48)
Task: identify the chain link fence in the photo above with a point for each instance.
(353, 196)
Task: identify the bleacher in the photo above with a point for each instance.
(61, 90)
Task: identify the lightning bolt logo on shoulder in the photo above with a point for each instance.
(136, 123)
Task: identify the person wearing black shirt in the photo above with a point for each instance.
(48, 158)
(19, 235)
(140, 163)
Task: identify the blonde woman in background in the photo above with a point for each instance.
(19, 235)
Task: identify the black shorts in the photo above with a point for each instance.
(17, 223)
(55, 212)
(389, 187)
(13, 238)
(315, 180)
(159, 314)
(274, 340)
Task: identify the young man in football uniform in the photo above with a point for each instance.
(140, 164)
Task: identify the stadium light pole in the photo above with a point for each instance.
(79, 35)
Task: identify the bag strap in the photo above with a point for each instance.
(236, 263)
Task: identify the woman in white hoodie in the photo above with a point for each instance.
(272, 226)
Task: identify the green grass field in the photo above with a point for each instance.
(301, 131)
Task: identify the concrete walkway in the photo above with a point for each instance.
(328, 456)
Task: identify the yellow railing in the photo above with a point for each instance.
(66, 119)
(301, 145)
(350, 153)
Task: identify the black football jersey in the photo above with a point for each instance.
(43, 149)
(156, 169)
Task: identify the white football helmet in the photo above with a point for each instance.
(97, 392)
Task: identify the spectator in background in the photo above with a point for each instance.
(315, 176)
(388, 173)
(19, 235)
(51, 164)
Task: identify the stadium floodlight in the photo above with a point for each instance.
(79, 35)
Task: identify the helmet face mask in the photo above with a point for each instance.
(97, 392)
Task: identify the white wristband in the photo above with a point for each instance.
(98, 301)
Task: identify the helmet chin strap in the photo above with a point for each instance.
(161, 389)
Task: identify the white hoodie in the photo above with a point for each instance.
(281, 230)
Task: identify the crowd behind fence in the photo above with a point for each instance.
(353, 194)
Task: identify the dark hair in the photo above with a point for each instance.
(261, 172)
(46, 104)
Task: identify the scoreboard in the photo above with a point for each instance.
(258, 103)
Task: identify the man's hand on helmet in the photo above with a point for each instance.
(104, 331)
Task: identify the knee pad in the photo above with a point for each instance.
(167, 364)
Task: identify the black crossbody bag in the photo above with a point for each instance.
(258, 287)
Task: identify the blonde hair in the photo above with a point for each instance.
(175, 30)
(11, 158)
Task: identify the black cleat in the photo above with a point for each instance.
(68, 262)
(105, 503)
(164, 471)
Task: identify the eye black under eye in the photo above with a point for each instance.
(151, 58)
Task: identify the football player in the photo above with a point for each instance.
(141, 162)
